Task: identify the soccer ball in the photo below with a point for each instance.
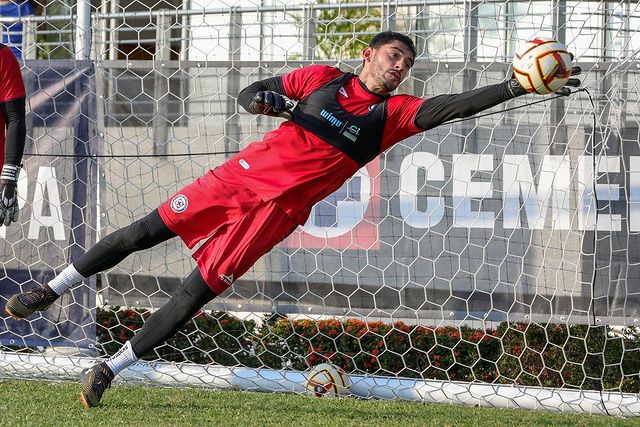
(542, 65)
(327, 380)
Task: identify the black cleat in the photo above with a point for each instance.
(95, 381)
(22, 305)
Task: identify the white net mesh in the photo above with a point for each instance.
(483, 251)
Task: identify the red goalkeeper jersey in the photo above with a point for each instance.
(295, 167)
(11, 87)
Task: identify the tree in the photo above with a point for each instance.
(342, 33)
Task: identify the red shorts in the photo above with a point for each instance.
(238, 226)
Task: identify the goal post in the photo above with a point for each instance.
(490, 261)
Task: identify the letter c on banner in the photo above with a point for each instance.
(349, 207)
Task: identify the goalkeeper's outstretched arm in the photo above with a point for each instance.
(442, 108)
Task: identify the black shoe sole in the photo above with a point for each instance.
(85, 402)
(17, 310)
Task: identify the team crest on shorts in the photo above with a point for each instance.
(179, 203)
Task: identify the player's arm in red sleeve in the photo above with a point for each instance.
(12, 108)
(301, 82)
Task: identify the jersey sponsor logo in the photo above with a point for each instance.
(244, 164)
(343, 92)
(352, 132)
(350, 136)
(227, 279)
(179, 203)
(331, 118)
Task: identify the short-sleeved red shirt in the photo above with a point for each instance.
(296, 168)
(11, 87)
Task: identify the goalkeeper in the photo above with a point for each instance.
(13, 132)
(258, 197)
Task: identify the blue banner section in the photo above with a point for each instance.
(58, 213)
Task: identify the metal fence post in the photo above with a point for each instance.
(161, 86)
(83, 29)
(470, 75)
(185, 31)
(113, 39)
(99, 42)
(309, 35)
(232, 123)
(29, 48)
(389, 17)
(163, 36)
(558, 108)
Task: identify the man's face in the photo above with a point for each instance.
(389, 64)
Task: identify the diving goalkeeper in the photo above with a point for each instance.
(243, 208)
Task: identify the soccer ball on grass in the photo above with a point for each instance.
(542, 65)
(327, 380)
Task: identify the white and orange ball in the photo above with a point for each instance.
(542, 65)
(327, 380)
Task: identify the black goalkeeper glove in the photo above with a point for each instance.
(9, 194)
(564, 90)
(517, 90)
(271, 104)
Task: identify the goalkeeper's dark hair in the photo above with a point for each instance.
(385, 37)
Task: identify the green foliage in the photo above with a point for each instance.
(344, 33)
(215, 337)
(55, 38)
(579, 356)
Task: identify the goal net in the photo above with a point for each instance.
(490, 261)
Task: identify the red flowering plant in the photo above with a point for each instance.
(215, 337)
(114, 326)
(380, 348)
(576, 356)
(551, 355)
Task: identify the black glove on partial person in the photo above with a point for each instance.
(9, 194)
(270, 104)
(518, 90)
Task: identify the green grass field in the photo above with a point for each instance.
(37, 403)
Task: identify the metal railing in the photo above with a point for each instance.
(243, 31)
